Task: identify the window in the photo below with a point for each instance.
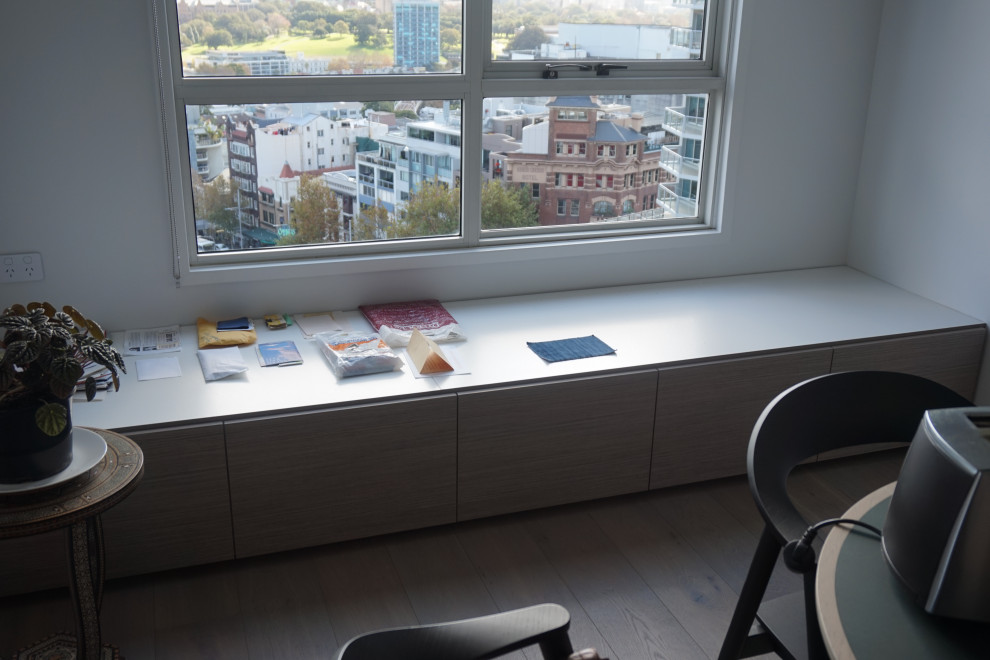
(401, 98)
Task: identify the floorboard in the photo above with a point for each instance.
(651, 575)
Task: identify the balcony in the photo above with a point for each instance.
(649, 214)
(674, 206)
(686, 38)
(681, 124)
(672, 161)
(377, 160)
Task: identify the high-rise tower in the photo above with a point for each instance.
(417, 33)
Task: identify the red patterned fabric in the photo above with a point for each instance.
(396, 321)
(421, 314)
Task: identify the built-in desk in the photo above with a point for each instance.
(695, 363)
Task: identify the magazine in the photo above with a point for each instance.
(279, 354)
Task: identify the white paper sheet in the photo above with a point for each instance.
(166, 367)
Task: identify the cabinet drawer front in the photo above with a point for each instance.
(179, 515)
(951, 358)
(706, 412)
(541, 445)
(320, 477)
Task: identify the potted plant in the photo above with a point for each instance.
(44, 355)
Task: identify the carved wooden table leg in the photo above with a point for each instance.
(86, 584)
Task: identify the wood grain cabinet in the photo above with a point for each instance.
(32, 563)
(541, 445)
(706, 412)
(950, 357)
(318, 477)
(179, 515)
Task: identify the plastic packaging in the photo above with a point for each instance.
(353, 353)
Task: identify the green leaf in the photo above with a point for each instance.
(51, 418)
(65, 373)
(20, 353)
(18, 322)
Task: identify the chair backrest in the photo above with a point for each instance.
(831, 412)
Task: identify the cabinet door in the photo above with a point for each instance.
(32, 563)
(319, 477)
(706, 412)
(179, 515)
(951, 358)
(541, 445)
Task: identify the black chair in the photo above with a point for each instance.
(825, 413)
(482, 637)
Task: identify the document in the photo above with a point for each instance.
(152, 340)
(165, 367)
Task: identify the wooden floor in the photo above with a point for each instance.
(653, 575)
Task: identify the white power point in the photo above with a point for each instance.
(25, 267)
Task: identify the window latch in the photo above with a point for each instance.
(551, 73)
(602, 69)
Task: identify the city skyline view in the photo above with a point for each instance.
(278, 174)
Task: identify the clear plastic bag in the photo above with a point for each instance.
(357, 353)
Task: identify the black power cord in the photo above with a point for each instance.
(799, 555)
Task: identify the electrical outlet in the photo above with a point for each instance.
(24, 267)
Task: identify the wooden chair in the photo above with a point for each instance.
(825, 413)
(469, 639)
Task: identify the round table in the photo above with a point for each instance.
(865, 612)
(76, 505)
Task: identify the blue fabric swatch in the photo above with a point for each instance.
(570, 349)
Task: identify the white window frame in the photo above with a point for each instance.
(479, 78)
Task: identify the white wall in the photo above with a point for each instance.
(922, 216)
(82, 180)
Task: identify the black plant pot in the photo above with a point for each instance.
(26, 452)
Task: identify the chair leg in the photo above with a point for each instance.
(816, 645)
(760, 570)
(556, 645)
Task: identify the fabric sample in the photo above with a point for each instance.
(570, 349)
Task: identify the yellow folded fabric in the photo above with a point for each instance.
(210, 336)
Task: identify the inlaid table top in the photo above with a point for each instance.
(91, 493)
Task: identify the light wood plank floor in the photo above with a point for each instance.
(653, 575)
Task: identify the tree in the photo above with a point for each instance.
(195, 31)
(219, 38)
(507, 206)
(529, 39)
(372, 224)
(315, 214)
(433, 210)
(364, 28)
(277, 23)
(378, 106)
(450, 38)
(340, 27)
(216, 203)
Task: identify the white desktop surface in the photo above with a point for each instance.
(648, 325)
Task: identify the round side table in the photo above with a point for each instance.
(76, 505)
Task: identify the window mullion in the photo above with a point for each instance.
(477, 20)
